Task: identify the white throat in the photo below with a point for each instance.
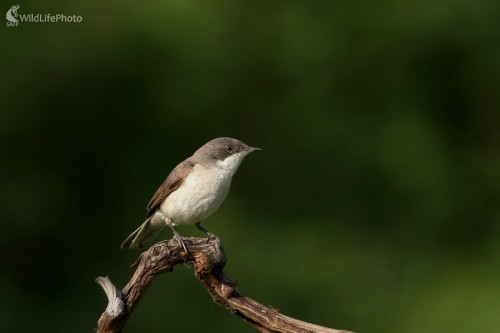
(230, 164)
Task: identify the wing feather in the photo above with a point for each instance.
(172, 183)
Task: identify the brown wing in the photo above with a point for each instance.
(172, 183)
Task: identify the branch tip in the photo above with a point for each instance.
(115, 303)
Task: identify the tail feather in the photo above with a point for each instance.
(143, 235)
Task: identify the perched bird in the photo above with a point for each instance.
(192, 192)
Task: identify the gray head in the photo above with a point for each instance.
(224, 152)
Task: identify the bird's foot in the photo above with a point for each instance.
(180, 240)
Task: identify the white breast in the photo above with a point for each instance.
(201, 193)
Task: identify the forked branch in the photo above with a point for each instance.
(208, 259)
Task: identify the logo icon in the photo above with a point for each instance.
(11, 16)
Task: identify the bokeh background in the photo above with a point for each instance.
(374, 205)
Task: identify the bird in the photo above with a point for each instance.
(192, 192)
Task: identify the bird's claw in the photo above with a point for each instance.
(179, 240)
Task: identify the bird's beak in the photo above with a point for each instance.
(251, 149)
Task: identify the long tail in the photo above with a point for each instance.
(143, 235)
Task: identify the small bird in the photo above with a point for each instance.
(192, 191)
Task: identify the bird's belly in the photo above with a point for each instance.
(197, 198)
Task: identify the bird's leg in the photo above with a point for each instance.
(177, 236)
(209, 234)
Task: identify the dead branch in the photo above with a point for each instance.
(208, 259)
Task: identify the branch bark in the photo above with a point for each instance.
(208, 259)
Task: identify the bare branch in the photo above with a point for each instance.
(208, 259)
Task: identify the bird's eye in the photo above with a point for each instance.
(229, 149)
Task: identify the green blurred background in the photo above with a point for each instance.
(373, 207)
